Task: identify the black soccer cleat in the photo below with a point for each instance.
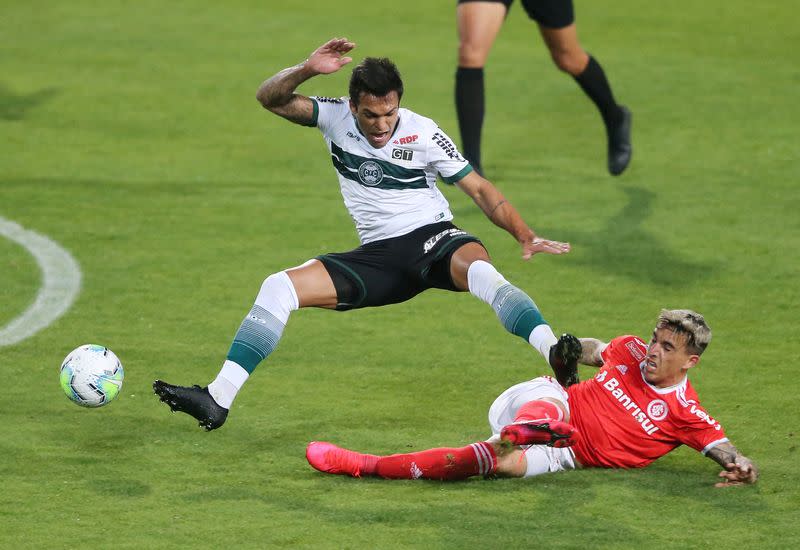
(620, 149)
(563, 359)
(194, 401)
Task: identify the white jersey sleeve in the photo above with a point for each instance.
(444, 157)
(328, 112)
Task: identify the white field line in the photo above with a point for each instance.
(61, 283)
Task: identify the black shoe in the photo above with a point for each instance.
(563, 359)
(194, 401)
(620, 149)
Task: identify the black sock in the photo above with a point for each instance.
(470, 109)
(593, 81)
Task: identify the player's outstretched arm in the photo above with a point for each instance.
(738, 468)
(277, 93)
(591, 352)
(503, 214)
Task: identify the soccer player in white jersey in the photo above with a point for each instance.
(387, 159)
(638, 407)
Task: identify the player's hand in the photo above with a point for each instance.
(329, 57)
(738, 473)
(538, 245)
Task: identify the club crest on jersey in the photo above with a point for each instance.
(657, 409)
(370, 173)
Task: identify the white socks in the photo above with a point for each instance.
(227, 383)
(542, 338)
(484, 281)
(257, 336)
(513, 307)
(278, 296)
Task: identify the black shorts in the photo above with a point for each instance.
(553, 14)
(394, 270)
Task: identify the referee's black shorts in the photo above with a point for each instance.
(394, 270)
(553, 14)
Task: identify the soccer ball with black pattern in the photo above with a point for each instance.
(91, 375)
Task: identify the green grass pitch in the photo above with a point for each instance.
(130, 135)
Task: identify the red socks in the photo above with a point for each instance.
(539, 410)
(444, 464)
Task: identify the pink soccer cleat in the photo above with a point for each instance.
(552, 433)
(330, 459)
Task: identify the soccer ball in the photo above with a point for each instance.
(91, 375)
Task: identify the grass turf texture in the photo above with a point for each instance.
(130, 135)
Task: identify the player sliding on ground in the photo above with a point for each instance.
(387, 160)
(638, 407)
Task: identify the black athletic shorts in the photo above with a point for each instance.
(394, 270)
(553, 14)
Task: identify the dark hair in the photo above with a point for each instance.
(375, 76)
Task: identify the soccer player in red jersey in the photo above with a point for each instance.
(638, 407)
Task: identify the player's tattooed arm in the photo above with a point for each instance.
(738, 468)
(503, 214)
(277, 93)
(591, 350)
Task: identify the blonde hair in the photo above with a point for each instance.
(690, 323)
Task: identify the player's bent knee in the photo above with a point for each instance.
(472, 55)
(312, 285)
(561, 61)
(569, 62)
(278, 295)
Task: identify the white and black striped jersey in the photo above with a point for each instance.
(392, 190)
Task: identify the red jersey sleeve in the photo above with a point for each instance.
(697, 429)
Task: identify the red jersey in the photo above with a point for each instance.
(627, 423)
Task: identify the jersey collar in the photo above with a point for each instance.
(662, 391)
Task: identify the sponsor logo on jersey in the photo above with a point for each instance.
(702, 415)
(447, 146)
(635, 350)
(612, 385)
(353, 136)
(657, 409)
(402, 154)
(370, 173)
(623, 369)
(408, 139)
(329, 99)
(430, 243)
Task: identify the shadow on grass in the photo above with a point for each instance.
(16, 107)
(624, 248)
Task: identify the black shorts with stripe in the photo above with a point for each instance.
(553, 14)
(394, 270)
